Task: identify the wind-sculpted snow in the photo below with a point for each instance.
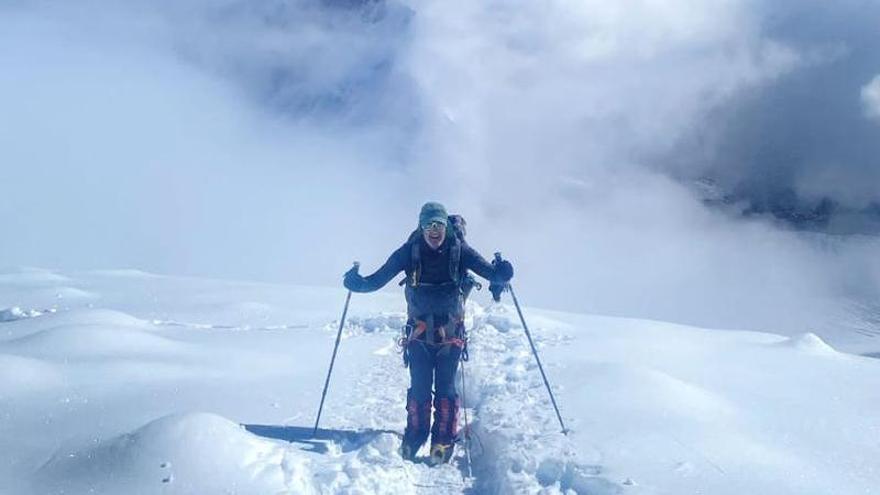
(99, 399)
(205, 453)
(27, 277)
(190, 453)
(30, 292)
(90, 317)
(16, 313)
(85, 334)
(22, 375)
(383, 322)
(810, 342)
(86, 341)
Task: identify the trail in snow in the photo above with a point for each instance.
(516, 444)
(381, 397)
(100, 394)
(523, 449)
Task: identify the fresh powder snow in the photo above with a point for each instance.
(124, 382)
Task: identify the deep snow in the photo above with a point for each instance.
(126, 382)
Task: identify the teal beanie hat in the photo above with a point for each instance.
(432, 212)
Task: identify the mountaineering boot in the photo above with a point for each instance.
(418, 424)
(441, 453)
(445, 427)
(407, 452)
(444, 430)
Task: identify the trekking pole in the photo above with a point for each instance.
(333, 359)
(467, 428)
(534, 351)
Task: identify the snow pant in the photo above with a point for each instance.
(429, 365)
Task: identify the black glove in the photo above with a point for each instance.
(496, 289)
(503, 271)
(353, 281)
(503, 274)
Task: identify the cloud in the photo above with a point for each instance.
(280, 140)
(551, 142)
(579, 88)
(119, 152)
(804, 133)
(870, 94)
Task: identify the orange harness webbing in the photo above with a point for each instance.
(421, 327)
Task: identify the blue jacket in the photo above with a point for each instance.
(434, 266)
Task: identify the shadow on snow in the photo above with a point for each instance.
(347, 440)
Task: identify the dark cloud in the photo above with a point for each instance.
(800, 143)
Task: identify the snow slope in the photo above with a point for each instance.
(126, 382)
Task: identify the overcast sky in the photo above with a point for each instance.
(280, 140)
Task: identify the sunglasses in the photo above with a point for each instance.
(434, 226)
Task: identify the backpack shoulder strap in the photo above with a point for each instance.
(415, 263)
(455, 260)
